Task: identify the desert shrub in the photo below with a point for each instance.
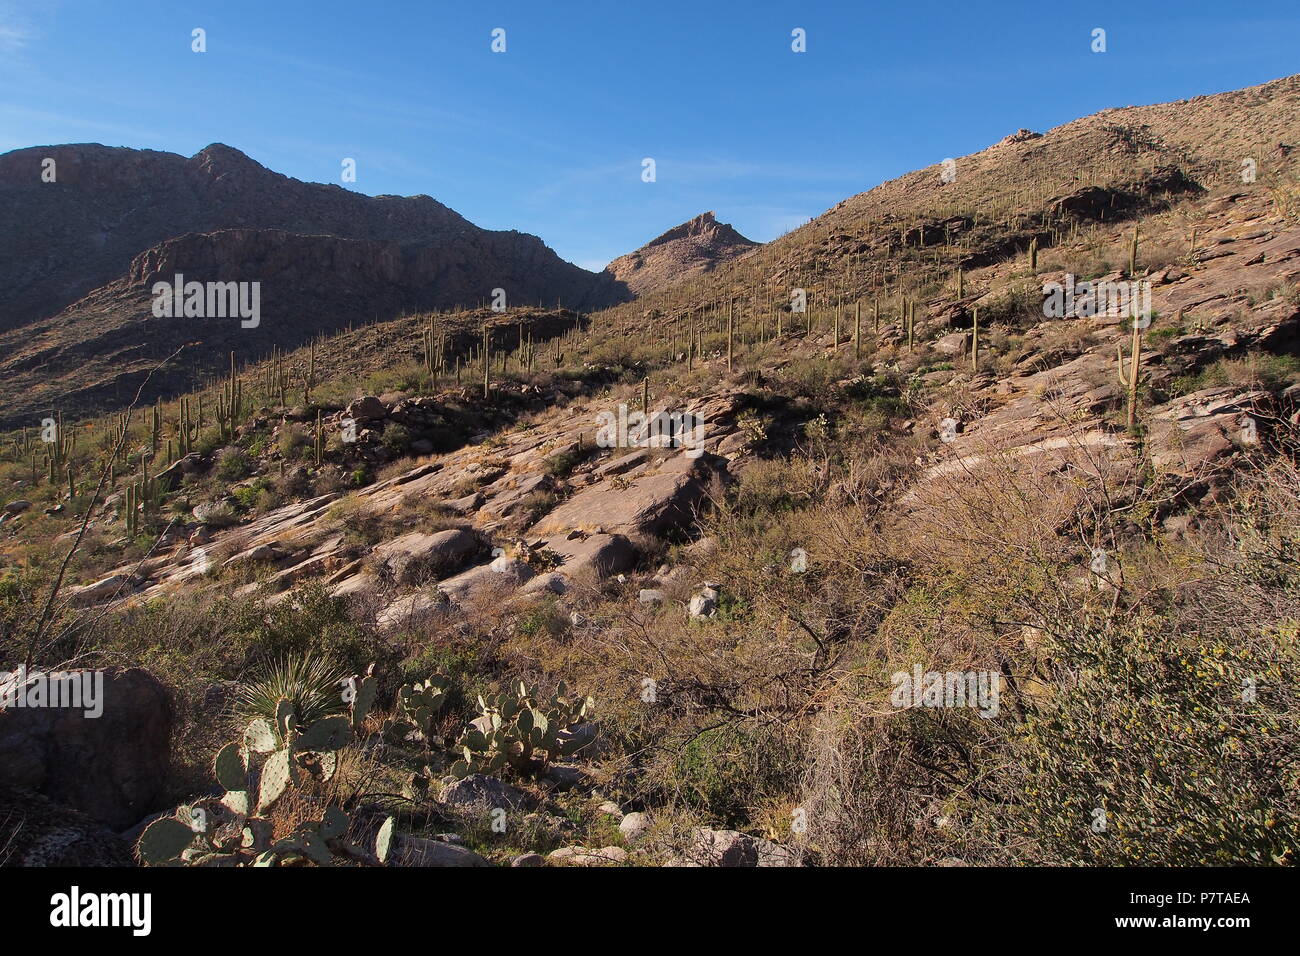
(358, 525)
(1256, 370)
(1159, 751)
(545, 617)
(294, 441)
(233, 464)
(562, 463)
(406, 377)
(249, 495)
(315, 622)
(538, 503)
(730, 772)
(397, 439)
(209, 441)
(293, 483)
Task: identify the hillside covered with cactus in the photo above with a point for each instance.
(665, 583)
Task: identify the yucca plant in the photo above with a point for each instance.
(313, 686)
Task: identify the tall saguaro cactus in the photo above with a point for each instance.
(309, 376)
(1129, 381)
(731, 323)
(857, 329)
(230, 403)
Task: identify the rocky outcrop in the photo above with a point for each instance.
(411, 556)
(418, 851)
(660, 498)
(1190, 434)
(107, 758)
(481, 792)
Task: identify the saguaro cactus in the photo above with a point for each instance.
(309, 375)
(975, 339)
(857, 329)
(1133, 254)
(230, 403)
(731, 322)
(1129, 381)
(132, 515)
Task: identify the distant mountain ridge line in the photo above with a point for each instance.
(108, 205)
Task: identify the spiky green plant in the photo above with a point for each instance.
(313, 686)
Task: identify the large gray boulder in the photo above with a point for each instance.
(479, 791)
(731, 848)
(414, 555)
(112, 766)
(418, 851)
(657, 501)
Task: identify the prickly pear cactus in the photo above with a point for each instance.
(520, 731)
(421, 703)
(163, 841)
(232, 830)
(276, 773)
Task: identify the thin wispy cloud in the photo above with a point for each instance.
(14, 32)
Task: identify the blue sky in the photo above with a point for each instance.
(549, 137)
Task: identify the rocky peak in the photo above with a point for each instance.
(697, 245)
(219, 160)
